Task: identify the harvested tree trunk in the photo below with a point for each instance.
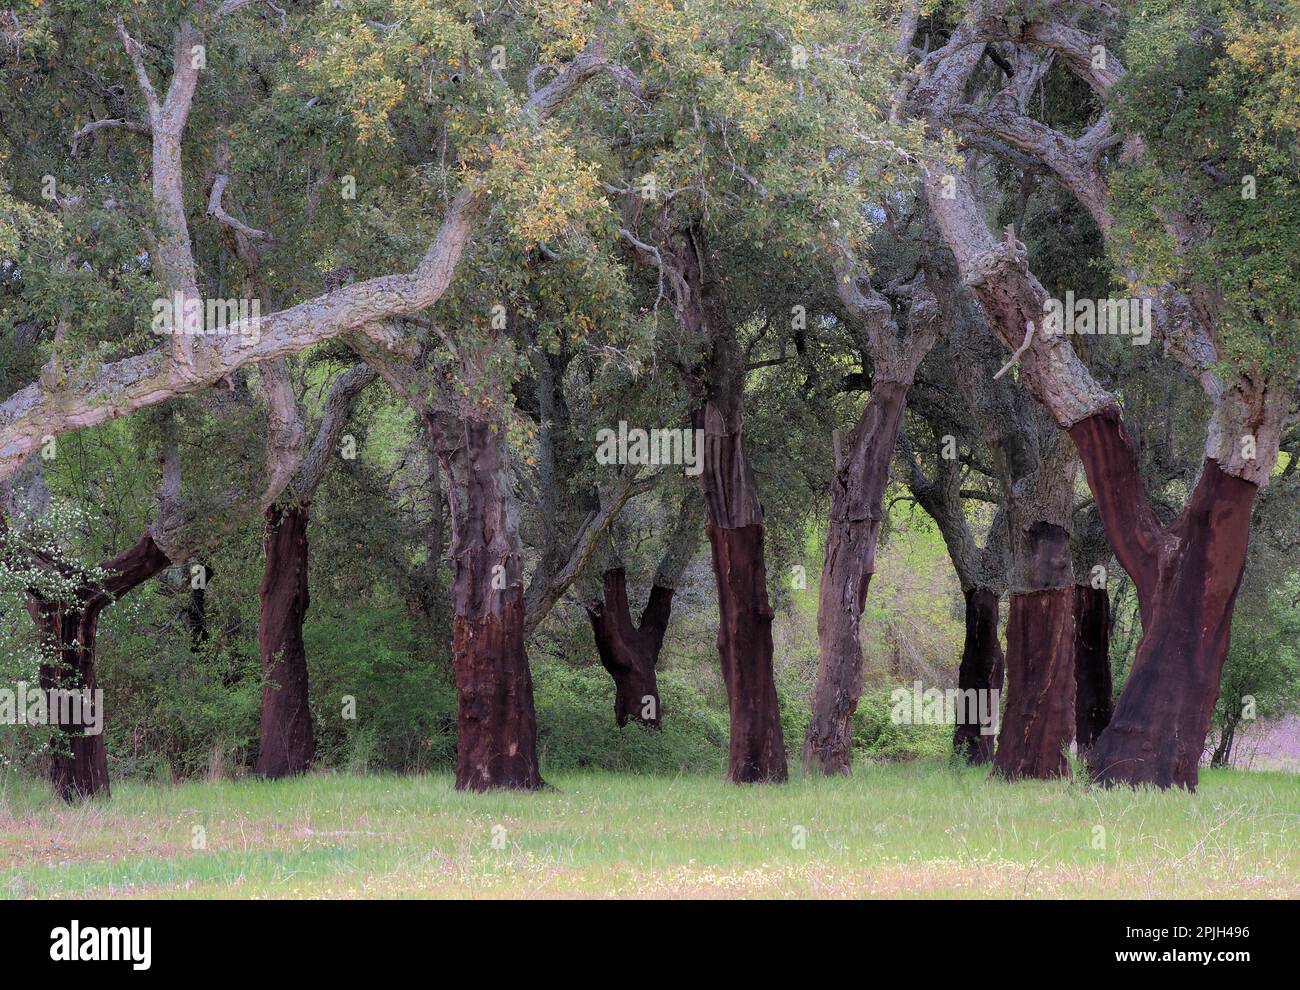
(982, 666)
(1187, 575)
(1092, 685)
(496, 722)
(630, 652)
(288, 743)
(734, 523)
(757, 750)
(1038, 721)
(856, 496)
(78, 766)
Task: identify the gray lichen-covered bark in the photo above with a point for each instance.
(121, 387)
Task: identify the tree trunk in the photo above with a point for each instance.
(856, 497)
(734, 518)
(757, 751)
(1222, 755)
(1038, 721)
(196, 612)
(630, 652)
(735, 530)
(288, 743)
(78, 764)
(496, 722)
(1187, 575)
(982, 663)
(1092, 686)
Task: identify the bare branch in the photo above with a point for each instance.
(542, 595)
(135, 127)
(134, 52)
(215, 210)
(342, 396)
(121, 387)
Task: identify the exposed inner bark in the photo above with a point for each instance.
(1092, 685)
(630, 652)
(78, 764)
(982, 666)
(1038, 720)
(287, 740)
(496, 722)
(856, 495)
(734, 518)
(1187, 576)
(757, 751)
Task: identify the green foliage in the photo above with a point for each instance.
(405, 707)
(576, 730)
(1261, 677)
(1211, 89)
(173, 712)
(877, 737)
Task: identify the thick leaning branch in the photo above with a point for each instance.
(122, 387)
(1067, 159)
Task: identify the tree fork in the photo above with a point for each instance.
(78, 762)
(630, 652)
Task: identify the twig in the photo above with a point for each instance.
(1029, 336)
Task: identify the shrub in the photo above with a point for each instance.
(576, 730)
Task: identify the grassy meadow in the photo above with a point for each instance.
(893, 830)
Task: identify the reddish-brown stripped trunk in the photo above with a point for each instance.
(1187, 575)
(735, 530)
(982, 664)
(630, 652)
(1092, 685)
(496, 722)
(287, 741)
(856, 495)
(734, 523)
(1038, 719)
(757, 750)
(78, 764)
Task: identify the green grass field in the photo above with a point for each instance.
(897, 831)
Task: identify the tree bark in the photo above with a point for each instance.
(78, 766)
(496, 721)
(1222, 756)
(734, 523)
(288, 743)
(1092, 685)
(856, 497)
(982, 666)
(1038, 721)
(757, 750)
(1187, 576)
(630, 652)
